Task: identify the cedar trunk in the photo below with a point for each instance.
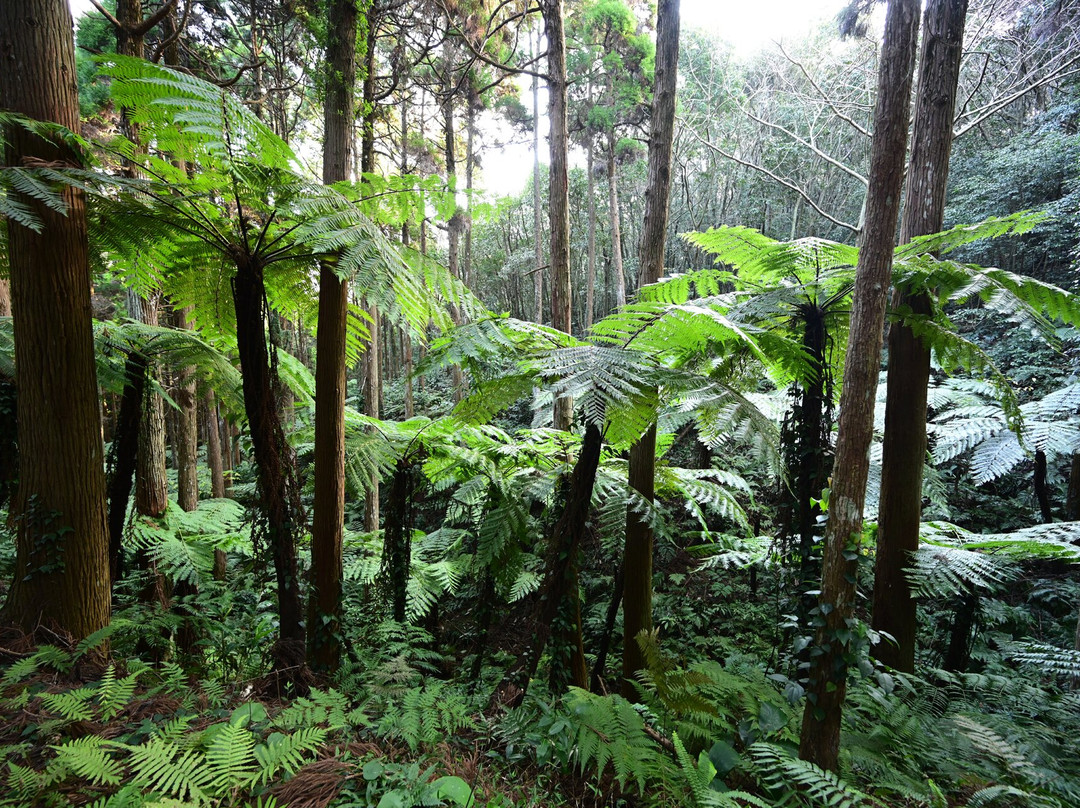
(538, 247)
(217, 476)
(820, 738)
(904, 448)
(187, 438)
(328, 519)
(638, 559)
(558, 187)
(61, 568)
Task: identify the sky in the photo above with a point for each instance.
(749, 25)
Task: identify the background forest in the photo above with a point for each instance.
(733, 460)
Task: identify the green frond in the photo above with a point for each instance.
(610, 732)
(778, 770)
(89, 757)
(946, 571)
(1048, 658)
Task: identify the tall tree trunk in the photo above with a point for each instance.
(373, 356)
(590, 277)
(217, 476)
(151, 484)
(638, 558)
(538, 247)
(616, 229)
(457, 220)
(273, 458)
(213, 447)
(5, 298)
(187, 466)
(407, 349)
(1042, 496)
(470, 167)
(558, 187)
(904, 449)
(820, 738)
(61, 576)
(187, 444)
(328, 517)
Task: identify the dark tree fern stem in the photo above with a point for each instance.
(122, 457)
(273, 457)
(558, 609)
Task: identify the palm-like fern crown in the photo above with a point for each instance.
(218, 188)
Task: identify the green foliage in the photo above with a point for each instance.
(610, 731)
(426, 714)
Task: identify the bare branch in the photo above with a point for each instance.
(984, 112)
(862, 130)
(778, 179)
(112, 20)
(826, 157)
(142, 28)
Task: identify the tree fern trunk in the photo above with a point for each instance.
(558, 612)
(820, 738)
(273, 458)
(596, 685)
(122, 458)
(397, 543)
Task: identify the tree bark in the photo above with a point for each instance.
(820, 738)
(638, 558)
(61, 576)
(456, 225)
(1042, 496)
(328, 518)
(590, 279)
(217, 476)
(538, 247)
(122, 458)
(558, 187)
(273, 458)
(151, 484)
(187, 443)
(616, 230)
(904, 448)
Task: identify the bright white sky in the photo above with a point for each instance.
(749, 25)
